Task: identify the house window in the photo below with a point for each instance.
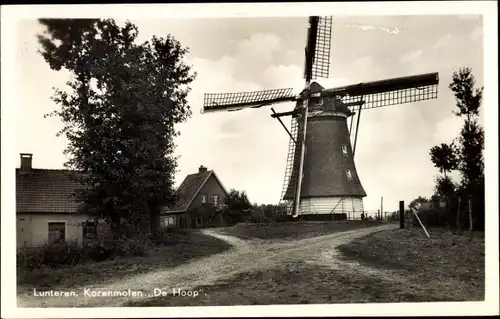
(348, 174)
(90, 230)
(203, 199)
(216, 201)
(171, 220)
(57, 231)
(344, 149)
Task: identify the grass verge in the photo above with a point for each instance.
(446, 263)
(297, 283)
(293, 230)
(158, 258)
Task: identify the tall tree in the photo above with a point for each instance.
(444, 157)
(471, 138)
(471, 141)
(417, 202)
(238, 200)
(119, 114)
(444, 186)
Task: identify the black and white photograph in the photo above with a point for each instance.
(280, 159)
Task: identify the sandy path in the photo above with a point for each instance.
(245, 255)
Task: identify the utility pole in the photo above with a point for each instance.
(381, 206)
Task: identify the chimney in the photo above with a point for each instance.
(26, 162)
(202, 169)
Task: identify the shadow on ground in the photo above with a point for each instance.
(197, 246)
(297, 283)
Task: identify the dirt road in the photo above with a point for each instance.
(244, 256)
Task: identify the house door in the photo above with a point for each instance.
(23, 232)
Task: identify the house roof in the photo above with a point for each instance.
(189, 189)
(45, 191)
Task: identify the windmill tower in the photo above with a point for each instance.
(320, 175)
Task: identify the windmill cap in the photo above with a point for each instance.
(316, 87)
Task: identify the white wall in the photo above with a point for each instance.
(352, 206)
(33, 229)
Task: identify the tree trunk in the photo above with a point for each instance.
(470, 220)
(115, 225)
(154, 214)
(459, 215)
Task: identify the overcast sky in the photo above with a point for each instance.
(248, 149)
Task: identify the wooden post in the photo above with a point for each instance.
(381, 206)
(401, 214)
(425, 230)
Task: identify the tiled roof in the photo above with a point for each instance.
(45, 191)
(188, 190)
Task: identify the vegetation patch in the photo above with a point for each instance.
(447, 262)
(294, 230)
(296, 283)
(155, 258)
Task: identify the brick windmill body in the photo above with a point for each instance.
(321, 180)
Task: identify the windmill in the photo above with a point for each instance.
(320, 175)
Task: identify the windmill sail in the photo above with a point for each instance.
(321, 64)
(388, 92)
(214, 102)
(291, 169)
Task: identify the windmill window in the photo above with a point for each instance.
(344, 149)
(316, 101)
(348, 174)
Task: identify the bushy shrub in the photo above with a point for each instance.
(431, 218)
(52, 255)
(169, 236)
(130, 247)
(70, 252)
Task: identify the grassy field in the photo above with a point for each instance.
(197, 246)
(295, 230)
(297, 283)
(446, 265)
(387, 266)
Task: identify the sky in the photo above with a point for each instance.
(248, 149)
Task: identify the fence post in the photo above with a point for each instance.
(401, 214)
(381, 206)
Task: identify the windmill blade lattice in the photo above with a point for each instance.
(321, 65)
(388, 92)
(236, 101)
